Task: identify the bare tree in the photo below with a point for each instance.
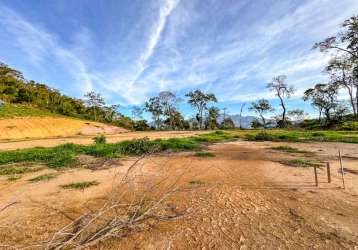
(241, 109)
(137, 113)
(282, 91)
(341, 70)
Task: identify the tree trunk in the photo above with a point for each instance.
(357, 102)
(284, 110)
(263, 120)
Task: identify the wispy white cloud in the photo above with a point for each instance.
(41, 46)
(232, 48)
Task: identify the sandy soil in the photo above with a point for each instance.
(44, 127)
(88, 139)
(246, 200)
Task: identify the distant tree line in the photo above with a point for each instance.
(342, 72)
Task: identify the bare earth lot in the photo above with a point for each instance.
(242, 198)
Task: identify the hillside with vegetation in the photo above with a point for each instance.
(29, 98)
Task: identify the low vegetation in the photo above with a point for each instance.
(302, 163)
(299, 135)
(20, 110)
(100, 139)
(14, 177)
(204, 154)
(66, 155)
(288, 149)
(17, 170)
(44, 177)
(80, 185)
(196, 183)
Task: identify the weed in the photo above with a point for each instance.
(14, 177)
(44, 177)
(17, 170)
(196, 183)
(261, 136)
(302, 163)
(100, 139)
(80, 185)
(288, 149)
(204, 154)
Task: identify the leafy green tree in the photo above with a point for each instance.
(140, 125)
(169, 101)
(212, 118)
(154, 106)
(323, 97)
(200, 101)
(94, 101)
(261, 107)
(296, 115)
(228, 123)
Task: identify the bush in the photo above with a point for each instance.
(204, 154)
(261, 136)
(351, 125)
(100, 139)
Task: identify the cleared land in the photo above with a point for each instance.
(44, 127)
(241, 197)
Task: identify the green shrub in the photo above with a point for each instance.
(261, 136)
(352, 125)
(100, 139)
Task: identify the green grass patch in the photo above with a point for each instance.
(20, 110)
(17, 170)
(44, 177)
(288, 149)
(299, 135)
(14, 177)
(66, 155)
(302, 163)
(204, 154)
(80, 185)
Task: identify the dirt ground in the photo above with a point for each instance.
(88, 139)
(45, 127)
(242, 198)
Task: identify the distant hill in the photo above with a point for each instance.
(245, 120)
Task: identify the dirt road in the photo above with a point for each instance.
(242, 198)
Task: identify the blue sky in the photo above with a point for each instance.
(129, 50)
